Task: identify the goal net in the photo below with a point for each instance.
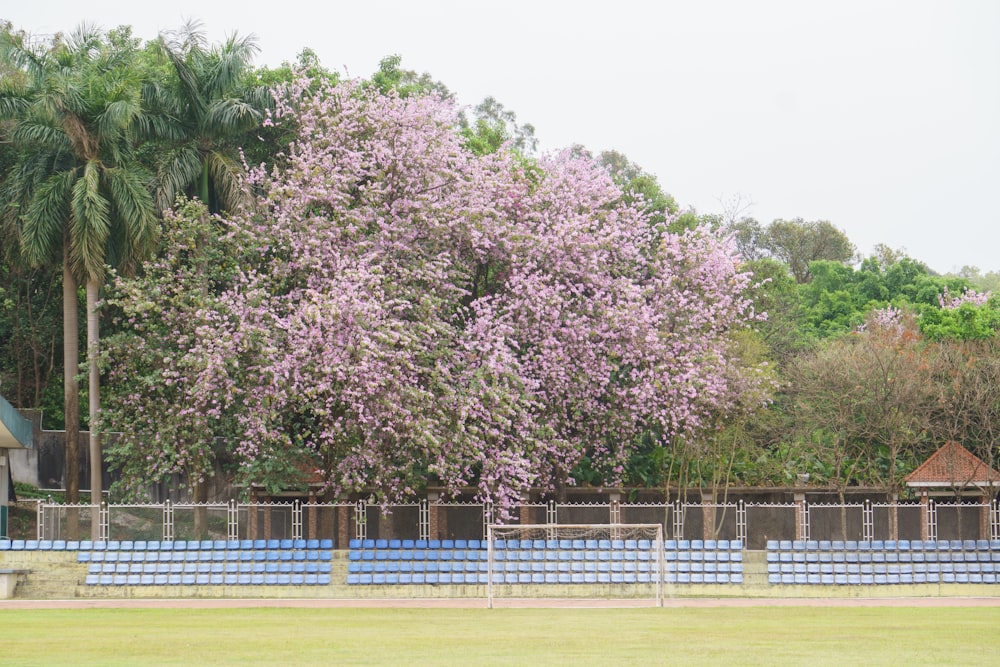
(575, 560)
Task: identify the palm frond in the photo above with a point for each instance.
(228, 175)
(21, 55)
(229, 65)
(189, 37)
(117, 117)
(13, 102)
(186, 75)
(134, 210)
(90, 223)
(177, 169)
(46, 218)
(261, 97)
(84, 41)
(61, 95)
(162, 115)
(39, 135)
(28, 174)
(227, 117)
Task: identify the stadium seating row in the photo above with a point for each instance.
(203, 556)
(416, 544)
(543, 555)
(882, 556)
(209, 568)
(420, 555)
(208, 579)
(883, 545)
(626, 545)
(380, 567)
(434, 578)
(500, 545)
(162, 545)
(883, 562)
(545, 562)
(883, 579)
(883, 568)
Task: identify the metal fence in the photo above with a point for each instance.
(752, 523)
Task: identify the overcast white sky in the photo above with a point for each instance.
(881, 117)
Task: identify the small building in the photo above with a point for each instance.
(16, 432)
(953, 472)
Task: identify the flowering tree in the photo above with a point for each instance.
(166, 423)
(969, 316)
(970, 296)
(404, 307)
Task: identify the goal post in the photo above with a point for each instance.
(612, 560)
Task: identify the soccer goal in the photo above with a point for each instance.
(598, 560)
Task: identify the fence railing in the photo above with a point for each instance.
(751, 523)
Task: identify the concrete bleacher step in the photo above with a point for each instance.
(52, 575)
(755, 568)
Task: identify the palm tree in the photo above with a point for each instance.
(214, 110)
(77, 193)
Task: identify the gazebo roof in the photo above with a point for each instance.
(15, 430)
(952, 466)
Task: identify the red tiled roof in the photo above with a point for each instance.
(952, 464)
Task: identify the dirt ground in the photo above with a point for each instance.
(474, 603)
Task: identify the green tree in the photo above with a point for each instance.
(492, 125)
(213, 104)
(967, 409)
(874, 390)
(78, 193)
(797, 243)
(405, 82)
(639, 185)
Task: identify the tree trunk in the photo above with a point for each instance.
(203, 192)
(93, 350)
(71, 392)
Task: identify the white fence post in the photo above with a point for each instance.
(487, 518)
(932, 531)
(297, 520)
(741, 523)
(361, 519)
(678, 520)
(994, 521)
(233, 524)
(39, 509)
(868, 521)
(105, 521)
(425, 519)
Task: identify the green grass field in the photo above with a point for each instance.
(328, 637)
